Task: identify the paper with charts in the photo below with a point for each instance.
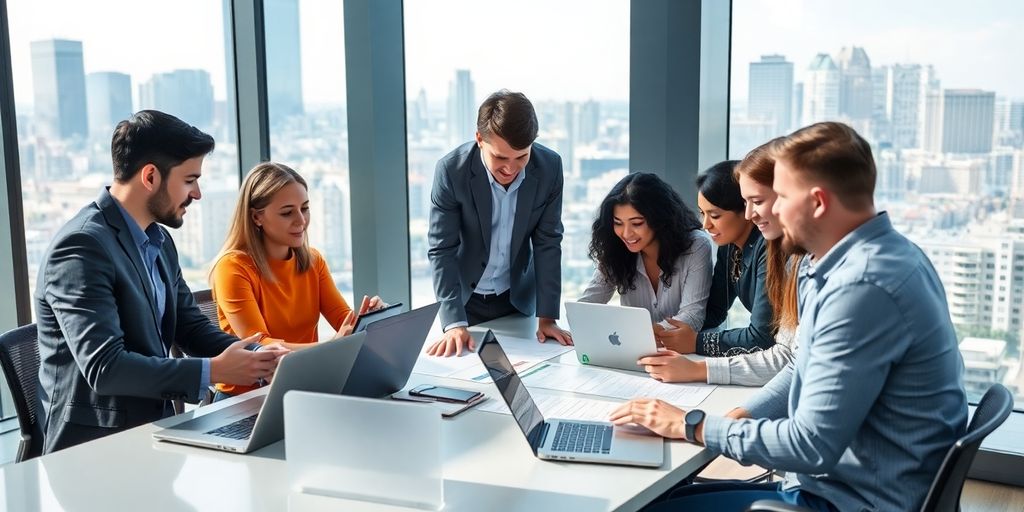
(560, 406)
(523, 353)
(595, 381)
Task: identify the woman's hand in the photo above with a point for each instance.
(671, 366)
(682, 339)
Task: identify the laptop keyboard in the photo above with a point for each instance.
(582, 438)
(240, 429)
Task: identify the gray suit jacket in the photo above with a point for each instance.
(460, 232)
(103, 363)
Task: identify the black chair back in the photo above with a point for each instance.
(19, 358)
(992, 411)
(204, 299)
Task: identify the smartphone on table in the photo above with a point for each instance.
(443, 394)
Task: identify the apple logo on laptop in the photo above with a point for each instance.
(614, 338)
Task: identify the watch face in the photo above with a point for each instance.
(694, 417)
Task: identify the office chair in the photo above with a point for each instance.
(19, 358)
(944, 494)
(204, 299)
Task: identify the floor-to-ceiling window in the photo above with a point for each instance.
(308, 121)
(570, 58)
(79, 68)
(937, 89)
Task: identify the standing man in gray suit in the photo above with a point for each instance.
(496, 226)
(111, 301)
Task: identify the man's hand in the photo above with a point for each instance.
(452, 342)
(682, 339)
(547, 328)
(671, 366)
(237, 365)
(655, 415)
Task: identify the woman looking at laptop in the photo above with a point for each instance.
(754, 175)
(739, 273)
(648, 247)
(268, 279)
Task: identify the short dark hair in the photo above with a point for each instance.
(153, 137)
(835, 154)
(720, 188)
(508, 115)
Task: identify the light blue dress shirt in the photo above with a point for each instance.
(875, 397)
(495, 279)
(148, 243)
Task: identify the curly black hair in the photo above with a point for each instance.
(666, 214)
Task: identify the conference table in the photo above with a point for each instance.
(487, 465)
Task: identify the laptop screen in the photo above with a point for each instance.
(512, 389)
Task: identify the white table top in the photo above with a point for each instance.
(488, 466)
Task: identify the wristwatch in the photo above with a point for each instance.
(691, 420)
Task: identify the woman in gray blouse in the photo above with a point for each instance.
(648, 247)
(754, 175)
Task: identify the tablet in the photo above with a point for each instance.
(380, 314)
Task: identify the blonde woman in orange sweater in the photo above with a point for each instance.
(268, 279)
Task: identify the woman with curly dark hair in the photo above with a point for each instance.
(649, 248)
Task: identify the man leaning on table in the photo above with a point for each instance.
(496, 226)
(111, 300)
(864, 416)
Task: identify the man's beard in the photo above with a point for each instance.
(790, 245)
(161, 209)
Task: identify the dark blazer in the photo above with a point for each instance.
(103, 363)
(460, 232)
(753, 294)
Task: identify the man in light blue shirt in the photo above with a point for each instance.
(496, 227)
(865, 415)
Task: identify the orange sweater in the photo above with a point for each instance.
(286, 309)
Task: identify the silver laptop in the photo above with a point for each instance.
(571, 440)
(612, 336)
(259, 421)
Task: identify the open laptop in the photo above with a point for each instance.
(612, 336)
(389, 353)
(571, 440)
(259, 421)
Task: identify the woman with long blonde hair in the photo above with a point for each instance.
(267, 278)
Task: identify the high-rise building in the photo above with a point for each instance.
(891, 182)
(1002, 165)
(1016, 120)
(798, 105)
(110, 101)
(929, 115)
(590, 122)
(58, 89)
(904, 104)
(855, 86)
(461, 108)
(184, 93)
(821, 90)
(983, 275)
(967, 120)
(284, 59)
(770, 92)
(880, 125)
(985, 362)
(418, 113)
